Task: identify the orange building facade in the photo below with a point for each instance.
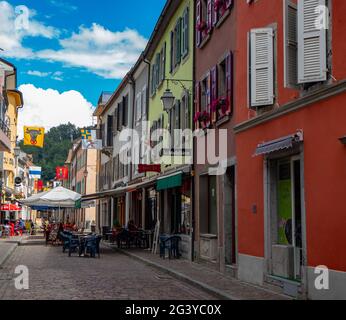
(291, 175)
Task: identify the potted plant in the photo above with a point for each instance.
(203, 27)
(221, 106)
(203, 118)
(218, 4)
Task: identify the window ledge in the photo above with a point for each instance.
(223, 120)
(223, 18)
(204, 41)
(208, 236)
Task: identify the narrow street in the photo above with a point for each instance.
(55, 276)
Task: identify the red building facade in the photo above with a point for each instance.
(291, 176)
(215, 232)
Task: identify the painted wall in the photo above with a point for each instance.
(324, 156)
(184, 71)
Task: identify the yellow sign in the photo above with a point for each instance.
(34, 136)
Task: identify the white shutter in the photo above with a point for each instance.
(144, 103)
(291, 45)
(262, 67)
(312, 45)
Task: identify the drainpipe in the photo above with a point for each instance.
(193, 179)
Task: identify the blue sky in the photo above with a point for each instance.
(82, 46)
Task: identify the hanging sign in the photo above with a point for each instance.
(34, 137)
(144, 168)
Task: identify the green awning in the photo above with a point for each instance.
(170, 182)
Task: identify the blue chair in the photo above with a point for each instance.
(92, 245)
(73, 245)
(171, 244)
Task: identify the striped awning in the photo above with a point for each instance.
(280, 144)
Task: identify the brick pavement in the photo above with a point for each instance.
(203, 277)
(53, 276)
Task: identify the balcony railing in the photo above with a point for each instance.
(5, 128)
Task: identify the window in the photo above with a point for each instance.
(138, 107)
(220, 8)
(179, 40)
(158, 70)
(110, 131)
(312, 42)
(291, 45)
(120, 116)
(125, 110)
(305, 43)
(203, 20)
(261, 67)
(144, 103)
(185, 33)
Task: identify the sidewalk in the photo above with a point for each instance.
(9, 245)
(6, 249)
(216, 283)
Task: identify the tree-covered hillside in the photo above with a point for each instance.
(56, 145)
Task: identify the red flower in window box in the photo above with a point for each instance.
(197, 115)
(218, 4)
(202, 27)
(223, 106)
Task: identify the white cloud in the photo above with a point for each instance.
(54, 75)
(106, 53)
(49, 108)
(40, 74)
(109, 54)
(16, 26)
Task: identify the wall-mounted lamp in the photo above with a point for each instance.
(168, 98)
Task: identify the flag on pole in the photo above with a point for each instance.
(35, 172)
(34, 136)
(61, 173)
(89, 135)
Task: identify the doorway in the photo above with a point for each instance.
(229, 216)
(286, 218)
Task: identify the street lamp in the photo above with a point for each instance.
(168, 100)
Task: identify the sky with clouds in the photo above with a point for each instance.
(67, 52)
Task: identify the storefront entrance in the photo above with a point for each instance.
(286, 232)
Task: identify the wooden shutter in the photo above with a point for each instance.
(197, 100)
(312, 43)
(209, 93)
(229, 81)
(178, 42)
(198, 21)
(144, 103)
(125, 110)
(163, 63)
(210, 10)
(291, 45)
(228, 3)
(215, 14)
(115, 121)
(186, 30)
(187, 111)
(120, 116)
(214, 90)
(262, 67)
(172, 64)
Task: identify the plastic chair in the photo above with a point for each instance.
(171, 244)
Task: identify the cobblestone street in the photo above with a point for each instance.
(55, 276)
